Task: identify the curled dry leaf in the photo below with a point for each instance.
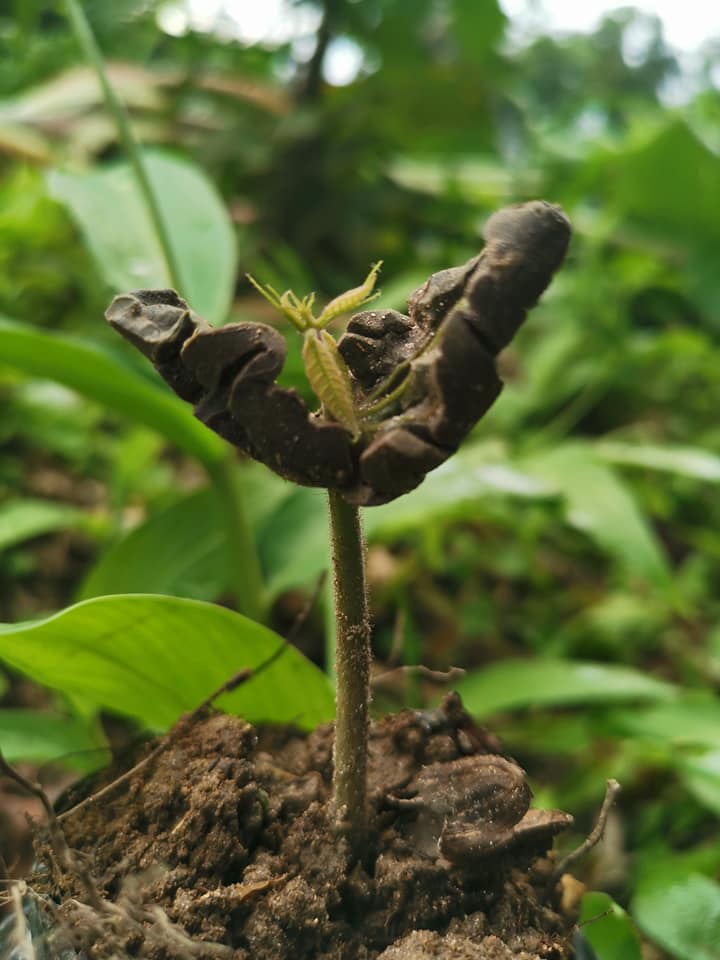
(419, 383)
(476, 809)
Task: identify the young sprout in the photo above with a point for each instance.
(351, 299)
(299, 312)
(398, 393)
(329, 377)
(325, 368)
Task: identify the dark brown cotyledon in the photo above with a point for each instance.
(420, 382)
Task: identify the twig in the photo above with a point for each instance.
(436, 676)
(595, 918)
(611, 791)
(180, 727)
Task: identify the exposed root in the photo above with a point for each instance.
(612, 789)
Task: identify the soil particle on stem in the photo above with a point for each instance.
(227, 836)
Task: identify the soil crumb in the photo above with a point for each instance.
(222, 846)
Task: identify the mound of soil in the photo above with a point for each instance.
(222, 846)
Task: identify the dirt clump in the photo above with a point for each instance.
(222, 846)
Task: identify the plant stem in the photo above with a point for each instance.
(86, 39)
(246, 578)
(246, 581)
(352, 665)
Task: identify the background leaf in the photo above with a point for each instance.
(688, 461)
(293, 538)
(599, 504)
(180, 551)
(511, 684)
(154, 658)
(680, 913)
(476, 471)
(672, 149)
(612, 936)
(111, 212)
(38, 737)
(701, 775)
(101, 376)
(688, 720)
(293, 541)
(23, 519)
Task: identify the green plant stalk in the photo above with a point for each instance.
(246, 580)
(352, 666)
(86, 39)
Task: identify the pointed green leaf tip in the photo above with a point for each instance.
(351, 299)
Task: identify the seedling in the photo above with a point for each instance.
(397, 393)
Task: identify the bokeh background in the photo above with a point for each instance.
(567, 559)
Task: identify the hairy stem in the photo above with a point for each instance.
(352, 666)
(87, 42)
(246, 580)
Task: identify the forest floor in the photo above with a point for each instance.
(220, 844)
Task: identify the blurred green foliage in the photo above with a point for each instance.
(571, 547)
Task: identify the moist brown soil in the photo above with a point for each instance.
(222, 845)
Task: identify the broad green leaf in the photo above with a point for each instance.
(680, 913)
(153, 658)
(23, 519)
(32, 735)
(112, 215)
(688, 720)
(685, 205)
(608, 929)
(563, 733)
(665, 189)
(266, 492)
(97, 374)
(513, 684)
(50, 417)
(477, 28)
(600, 504)
(701, 775)
(688, 461)
(293, 542)
(180, 551)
